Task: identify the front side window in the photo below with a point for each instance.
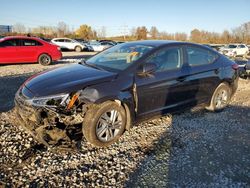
(232, 46)
(59, 40)
(166, 59)
(119, 57)
(200, 56)
(9, 42)
(67, 40)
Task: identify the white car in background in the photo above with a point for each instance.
(233, 50)
(69, 44)
(99, 46)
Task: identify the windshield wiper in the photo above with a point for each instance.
(83, 62)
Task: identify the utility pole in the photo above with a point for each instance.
(125, 28)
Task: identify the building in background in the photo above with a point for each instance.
(6, 29)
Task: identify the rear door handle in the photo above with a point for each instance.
(181, 79)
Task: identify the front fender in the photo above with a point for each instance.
(121, 90)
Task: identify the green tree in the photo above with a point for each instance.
(85, 32)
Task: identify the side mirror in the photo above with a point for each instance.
(147, 69)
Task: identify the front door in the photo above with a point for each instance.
(165, 88)
(8, 51)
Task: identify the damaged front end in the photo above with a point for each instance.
(52, 120)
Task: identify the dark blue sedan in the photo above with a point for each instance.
(123, 85)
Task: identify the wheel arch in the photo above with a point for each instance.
(126, 105)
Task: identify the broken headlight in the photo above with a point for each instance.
(50, 101)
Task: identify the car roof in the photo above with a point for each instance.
(21, 37)
(62, 38)
(157, 43)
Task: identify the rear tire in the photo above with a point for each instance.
(104, 124)
(220, 99)
(44, 59)
(78, 49)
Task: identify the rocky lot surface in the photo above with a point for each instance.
(191, 149)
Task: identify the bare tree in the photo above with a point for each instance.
(154, 32)
(44, 30)
(62, 29)
(19, 28)
(242, 33)
(166, 36)
(102, 32)
(180, 36)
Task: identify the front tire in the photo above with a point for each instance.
(221, 98)
(104, 124)
(44, 59)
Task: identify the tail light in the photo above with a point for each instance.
(235, 66)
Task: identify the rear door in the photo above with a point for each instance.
(242, 49)
(8, 51)
(204, 71)
(29, 50)
(165, 88)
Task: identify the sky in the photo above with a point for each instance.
(118, 17)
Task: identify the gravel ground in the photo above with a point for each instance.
(202, 149)
(191, 149)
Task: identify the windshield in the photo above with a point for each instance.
(119, 57)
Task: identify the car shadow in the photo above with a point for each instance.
(8, 87)
(199, 149)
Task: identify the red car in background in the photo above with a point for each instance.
(20, 49)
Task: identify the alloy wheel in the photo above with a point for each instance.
(221, 99)
(109, 125)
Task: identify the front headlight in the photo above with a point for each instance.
(50, 101)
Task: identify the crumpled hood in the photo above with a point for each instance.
(66, 79)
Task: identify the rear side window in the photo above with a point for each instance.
(242, 46)
(30, 42)
(10, 42)
(200, 56)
